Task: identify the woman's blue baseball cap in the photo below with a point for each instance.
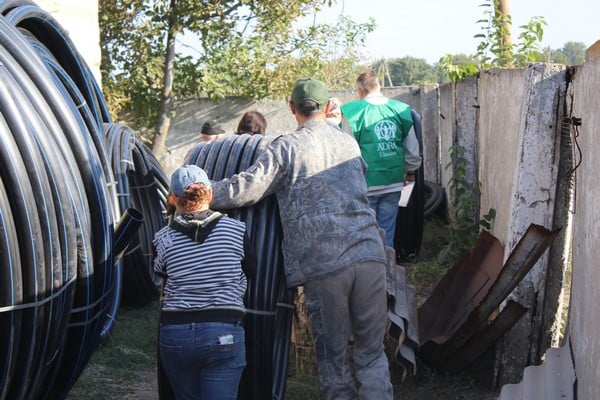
(184, 176)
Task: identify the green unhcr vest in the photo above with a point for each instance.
(380, 130)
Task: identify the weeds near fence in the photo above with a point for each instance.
(465, 223)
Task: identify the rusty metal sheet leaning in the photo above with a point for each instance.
(521, 260)
(460, 291)
(524, 256)
(486, 336)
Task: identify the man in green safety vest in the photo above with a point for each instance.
(385, 134)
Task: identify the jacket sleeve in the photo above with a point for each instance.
(412, 156)
(249, 187)
(346, 125)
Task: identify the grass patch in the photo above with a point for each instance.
(424, 271)
(427, 384)
(128, 354)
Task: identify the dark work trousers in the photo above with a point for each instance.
(351, 303)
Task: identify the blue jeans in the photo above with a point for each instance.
(386, 211)
(350, 303)
(203, 360)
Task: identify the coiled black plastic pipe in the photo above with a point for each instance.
(142, 184)
(409, 222)
(269, 302)
(435, 200)
(59, 276)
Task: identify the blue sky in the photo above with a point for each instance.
(430, 29)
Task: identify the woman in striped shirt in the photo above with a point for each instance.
(200, 254)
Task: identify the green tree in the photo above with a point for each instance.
(131, 62)
(245, 48)
(407, 71)
(456, 67)
(572, 53)
(496, 48)
(554, 56)
(255, 68)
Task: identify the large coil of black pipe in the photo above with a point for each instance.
(95, 278)
(25, 322)
(269, 302)
(67, 174)
(59, 281)
(141, 184)
(38, 23)
(409, 222)
(10, 278)
(55, 193)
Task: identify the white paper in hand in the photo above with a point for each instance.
(405, 194)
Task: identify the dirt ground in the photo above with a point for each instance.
(146, 388)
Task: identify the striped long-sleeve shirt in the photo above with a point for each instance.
(206, 275)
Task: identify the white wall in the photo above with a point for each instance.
(80, 19)
(191, 114)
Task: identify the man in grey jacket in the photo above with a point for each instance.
(331, 242)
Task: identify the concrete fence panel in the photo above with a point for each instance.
(584, 319)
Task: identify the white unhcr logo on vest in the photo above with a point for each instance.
(385, 131)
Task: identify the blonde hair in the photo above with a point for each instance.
(368, 81)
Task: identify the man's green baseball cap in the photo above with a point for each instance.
(310, 94)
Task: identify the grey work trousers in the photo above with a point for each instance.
(351, 303)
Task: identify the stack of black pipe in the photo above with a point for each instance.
(409, 222)
(269, 303)
(138, 174)
(61, 226)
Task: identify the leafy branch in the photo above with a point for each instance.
(494, 50)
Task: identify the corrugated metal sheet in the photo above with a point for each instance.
(402, 312)
(460, 290)
(523, 257)
(457, 323)
(553, 380)
(456, 296)
(486, 336)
